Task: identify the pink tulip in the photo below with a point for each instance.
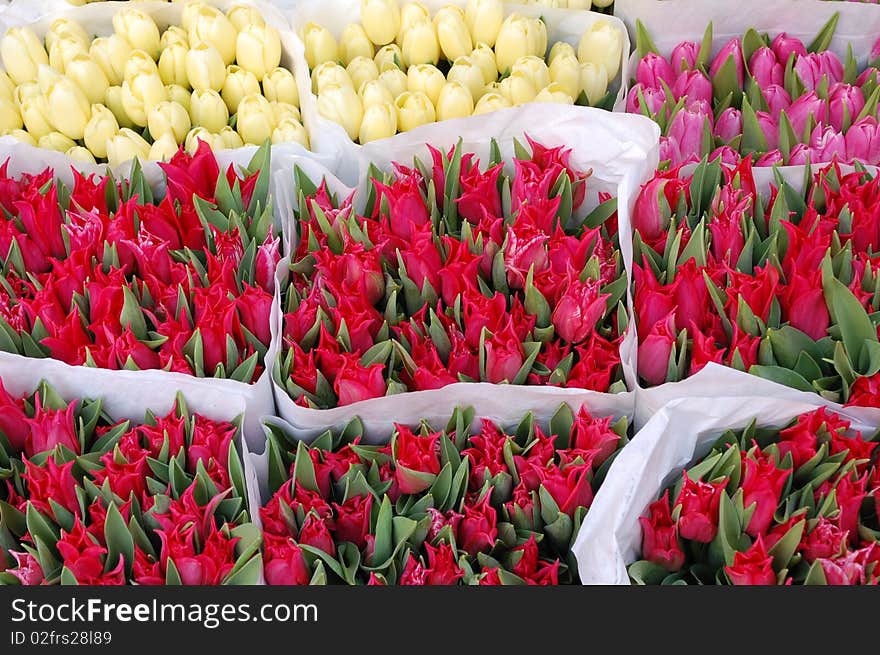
(727, 155)
(799, 155)
(863, 141)
(875, 50)
(827, 144)
(801, 109)
(765, 68)
(684, 56)
(729, 124)
(693, 85)
(654, 69)
(669, 151)
(784, 45)
(844, 99)
(770, 128)
(770, 158)
(732, 48)
(654, 99)
(686, 129)
(777, 99)
(811, 68)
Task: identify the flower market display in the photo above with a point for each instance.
(439, 292)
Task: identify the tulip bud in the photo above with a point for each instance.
(67, 27)
(242, 15)
(228, 139)
(381, 20)
(164, 148)
(777, 99)
(174, 35)
(863, 141)
(125, 146)
(426, 78)
(534, 68)
(102, 127)
(566, 72)
(22, 52)
(729, 124)
(211, 25)
(692, 85)
(200, 134)
(255, 120)
(375, 92)
(360, 70)
(602, 44)
(86, 74)
(342, 105)
(517, 38)
(329, 74)
(139, 29)
(172, 65)
(518, 88)
(208, 110)
(237, 85)
(484, 19)
(389, 57)
(69, 108)
(258, 49)
(491, 101)
(414, 108)
(282, 111)
(7, 86)
(844, 102)
(354, 43)
(140, 93)
(56, 141)
(394, 80)
(410, 14)
(555, 93)
(686, 130)
(139, 62)
(46, 76)
(114, 103)
(420, 44)
(784, 46)
(168, 118)
(179, 94)
(290, 130)
(464, 70)
(452, 33)
(379, 122)
(484, 57)
(204, 67)
(320, 46)
(280, 85)
(80, 154)
(454, 101)
(594, 82)
(24, 137)
(653, 71)
(111, 53)
(560, 49)
(10, 116)
(64, 49)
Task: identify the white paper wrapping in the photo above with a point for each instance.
(622, 151)
(679, 434)
(326, 136)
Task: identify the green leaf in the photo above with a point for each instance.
(644, 43)
(856, 328)
(644, 572)
(784, 549)
(120, 543)
(304, 468)
(823, 38)
(383, 545)
(782, 376)
(248, 574)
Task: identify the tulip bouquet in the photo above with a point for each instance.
(141, 91)
(89, 501)
(782, 287)
(454, 274)
(455, 506)
(779, 100)
(401, 67)
(103, 275)
(798, 505)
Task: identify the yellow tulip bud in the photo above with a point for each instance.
(114, 103)
(24, 137)
(594, 82)
(10, 116)
(238, 84)
(255, 119)
(63, 49)
(539, 35)
(360, 70)
(26, 90)
(426, 78)
(452, 33)
(7, 86)
(140, 93)
(80, 154)
(602, 45)
(111, 53)
(282, 111)
(389, 57)
(554, 93)
(189, 13)
(22, 52)
(172, 64)
(329, 74)
(69, 108)
(56, 141)
(320, 46)
(67, 27)
(484, 57)
(455, 101)
(354, 43)
(342, 105)
(518, 88)
(125, 146)
(534, 68)
(491, 101)
(420, 45)
(139, 63)
(211, 25)
(168, 118)
(102, 127)
(208, 110)
(379, 122)
(204, 67)
(566, 72)
(139, 29)
(375, 92)
(520, 36)
(560, 49)
(394, 80)
(174, 35)
(164, 148)
(280, 85)
(258, 49)
(228, 139)
(464, 70)
(290, 130)
(410, 14)
(414, 108)
(86, 74)
(201, 134)
(381, 20)
(242, 15)
(484, 19)
(179, 94)
(35, 115)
